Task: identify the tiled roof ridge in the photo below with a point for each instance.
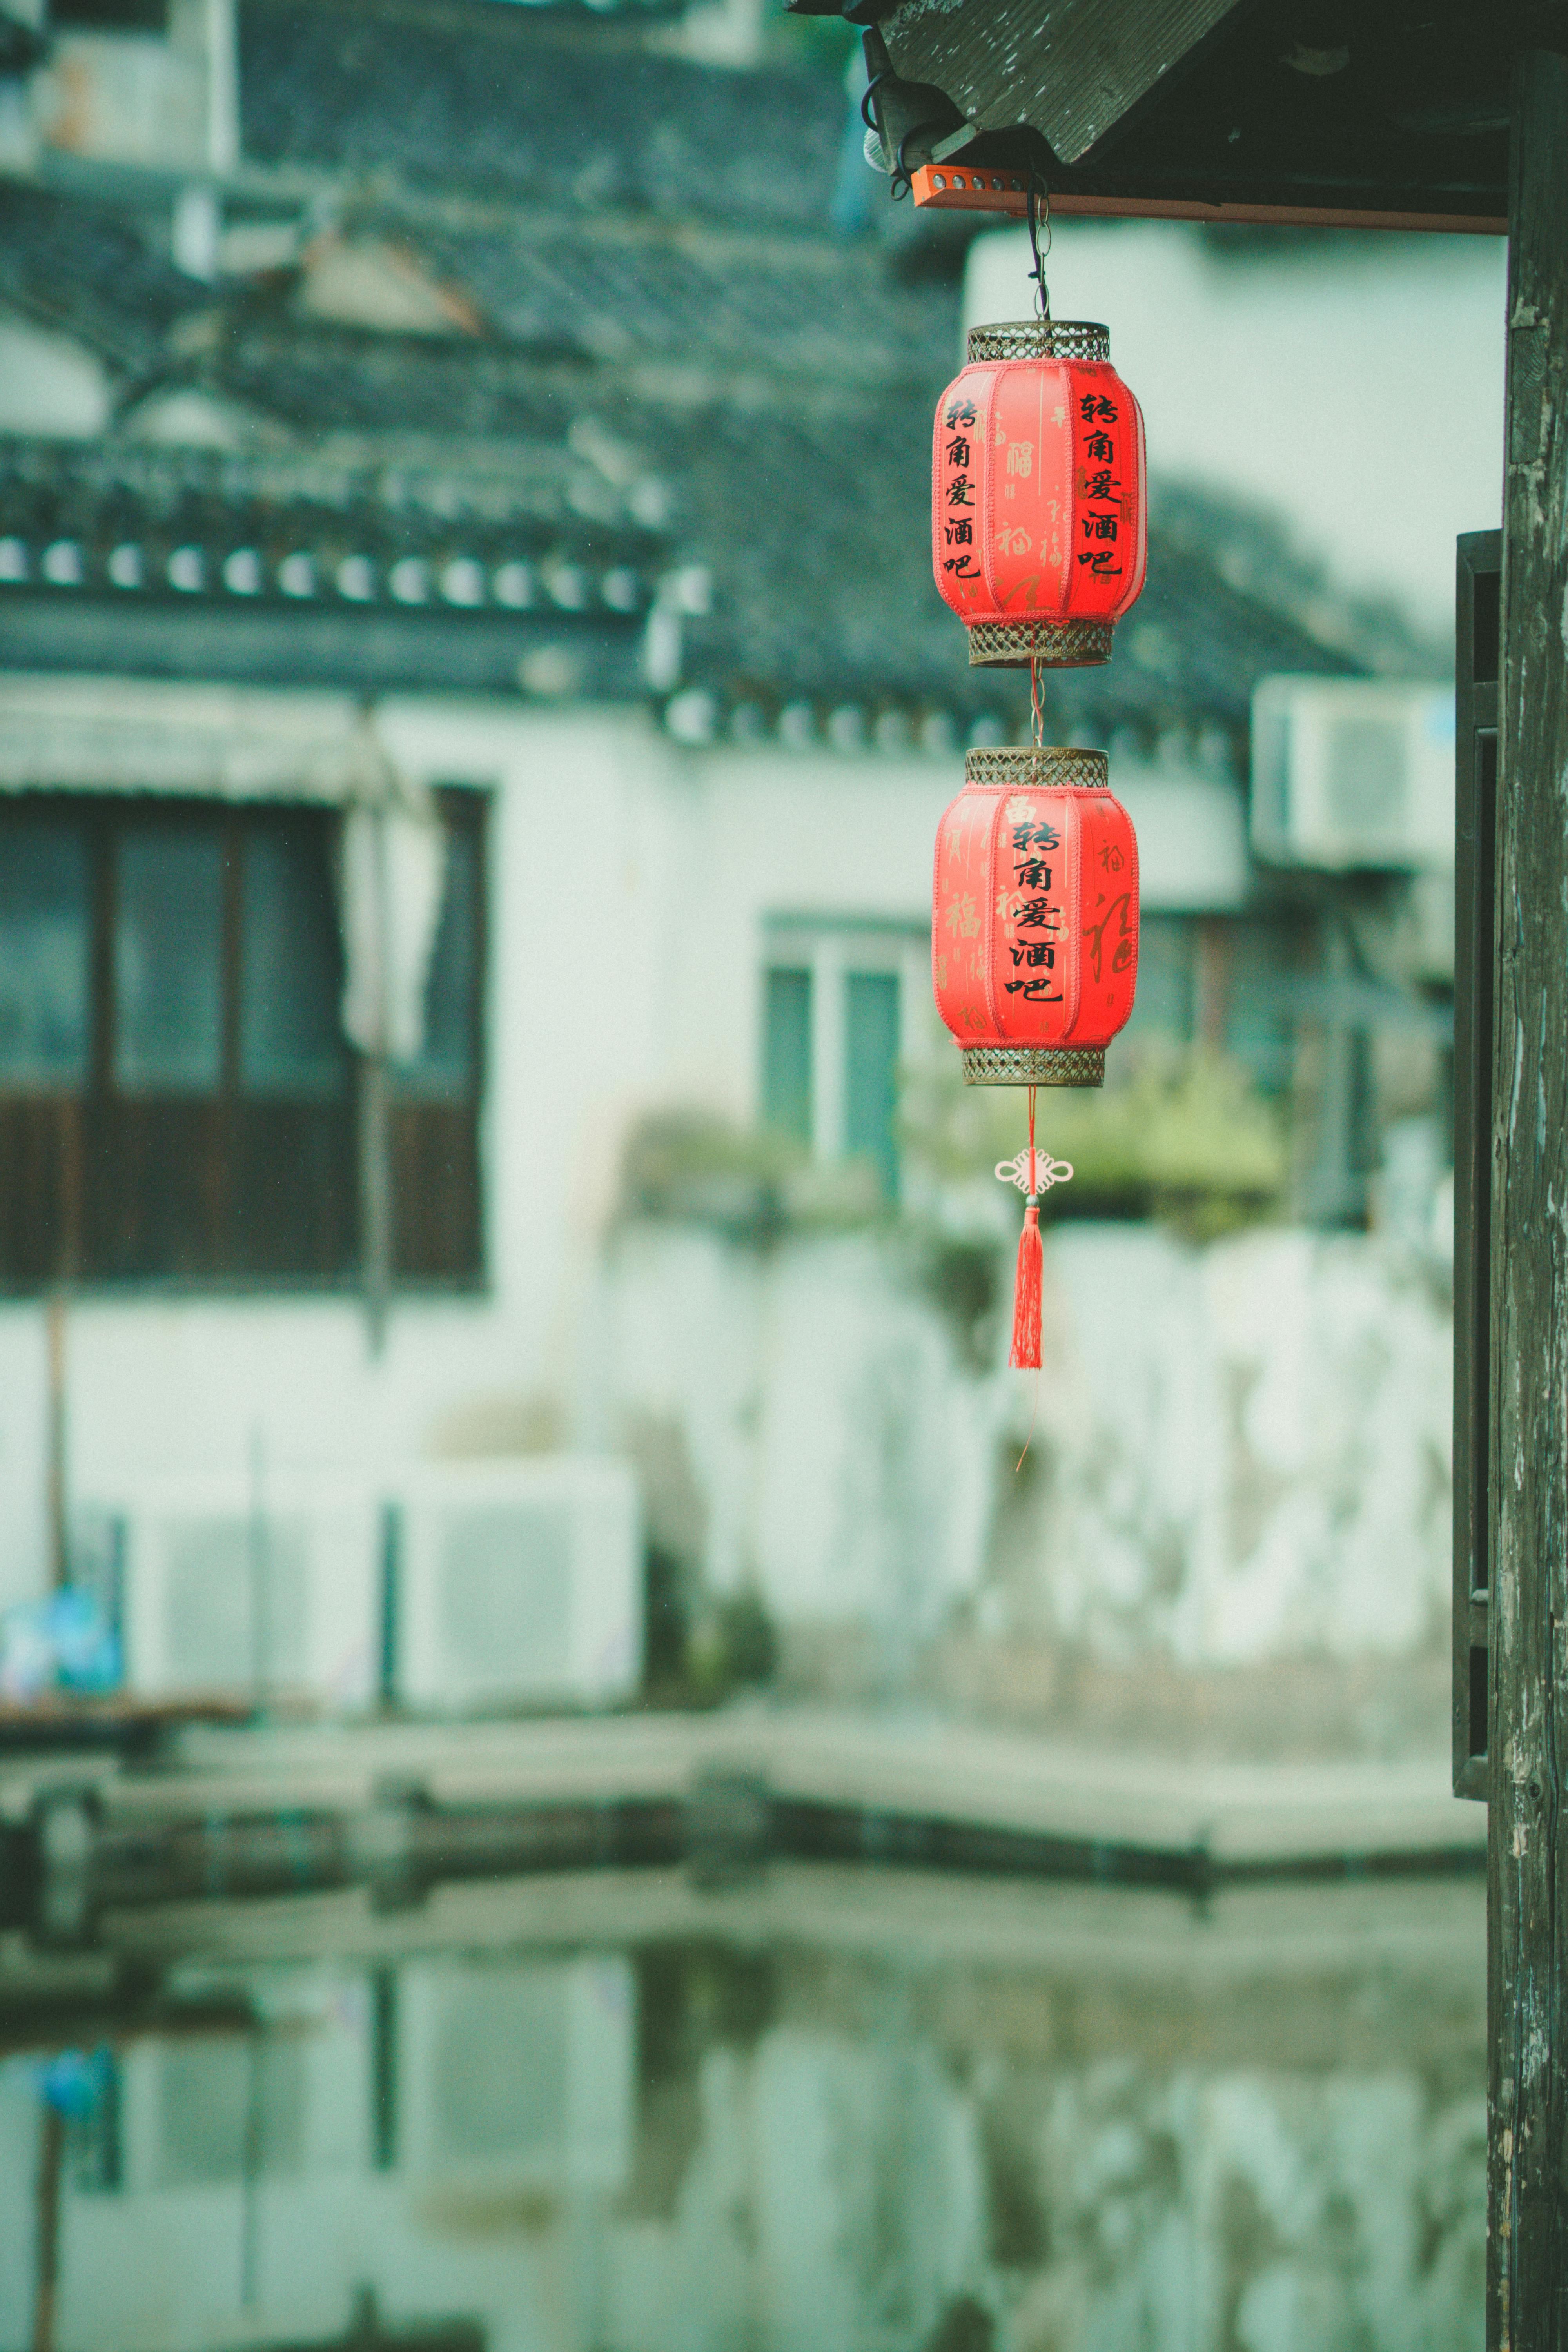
(405, 476)
(682, 386)
(758, 288)
(519, 104)
(394, 207)
(595, 32)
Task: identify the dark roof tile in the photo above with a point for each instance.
(94, 269)
(515, 107)
(826, 311)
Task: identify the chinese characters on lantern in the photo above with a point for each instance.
(1117, 929)
(1031, 909)
(958, 490)
(1034, 916)
(1037, 531)
(1099, 485)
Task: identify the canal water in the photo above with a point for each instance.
(830, 2111)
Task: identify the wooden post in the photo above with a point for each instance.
(1527, 1889)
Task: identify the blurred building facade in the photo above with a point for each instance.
(475, 716)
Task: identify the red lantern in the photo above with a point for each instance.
(1038, 535)
(1035, 946)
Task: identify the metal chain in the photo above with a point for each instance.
(1039, 209)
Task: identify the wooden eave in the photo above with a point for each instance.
(1392, 114)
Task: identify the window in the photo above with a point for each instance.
(1221, 982)
(288, 975)
(45, 964)
(871, 1074)
(1166, 1005)
(834, 1019)
(787, 1052)
(176, 1099)
(168, 957)
(1260, 959)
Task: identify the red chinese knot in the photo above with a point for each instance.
(1035, 931)
(1038, 536)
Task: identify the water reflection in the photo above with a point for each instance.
(820, 2114)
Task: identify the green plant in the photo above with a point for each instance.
(691, 1166)
(961, 1274)
(1183, 1137)
(732, 1647)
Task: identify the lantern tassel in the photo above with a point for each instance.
(1026, 1355)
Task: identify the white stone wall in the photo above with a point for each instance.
(1241, 1453)
(1273, 1412)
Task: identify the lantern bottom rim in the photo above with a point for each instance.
(1033, 1066)
(1058, 645)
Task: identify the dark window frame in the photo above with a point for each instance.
(147, 17)
(240, 1188)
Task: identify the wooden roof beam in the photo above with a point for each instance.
(1071, 70)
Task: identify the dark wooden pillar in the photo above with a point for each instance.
(1527, 1746)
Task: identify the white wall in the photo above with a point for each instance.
(50, 385)
(630, 887)
(846, 1460)
(1355, 385)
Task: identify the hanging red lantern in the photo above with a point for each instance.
(1035, 946)
(1038, 533)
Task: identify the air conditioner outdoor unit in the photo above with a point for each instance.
(517, 2073)
(264, 1594)
(1353, 772)
(517, 1582)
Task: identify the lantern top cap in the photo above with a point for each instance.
(1046, 767)
(1040, 339)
